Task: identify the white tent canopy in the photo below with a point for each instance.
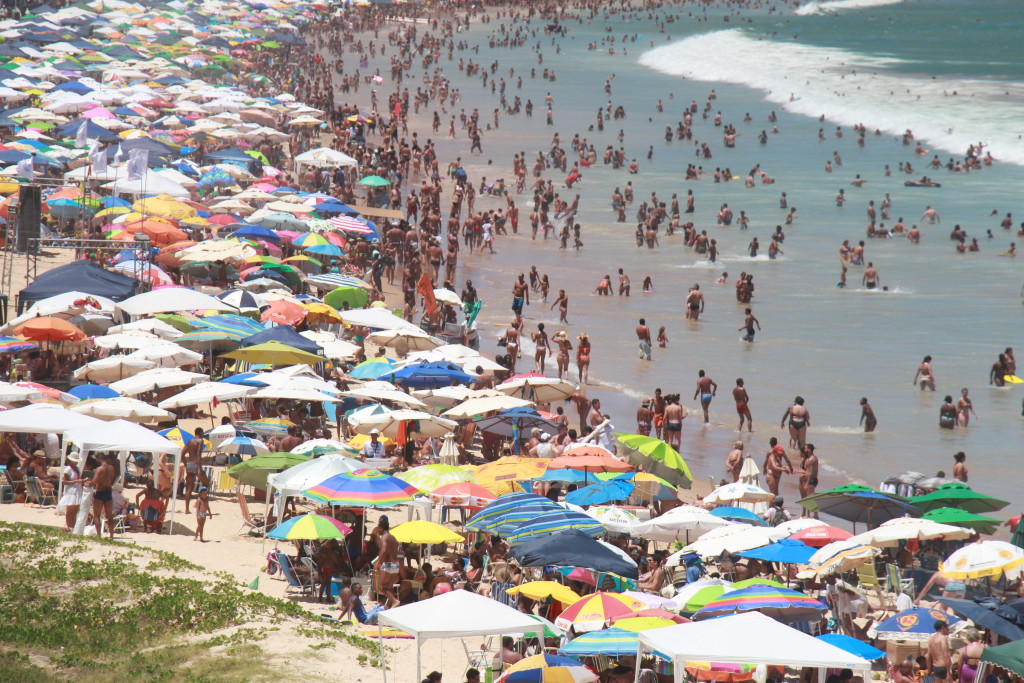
(172, 299)
(44, 418)
(150, 183)
(750, 638)
(456, 614)
(376, 318)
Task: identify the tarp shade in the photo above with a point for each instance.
(285, 334)
(80, 276)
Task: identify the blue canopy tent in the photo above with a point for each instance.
(79, 276)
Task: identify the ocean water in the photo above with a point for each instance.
(889, 66)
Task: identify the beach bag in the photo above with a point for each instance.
(272, 564)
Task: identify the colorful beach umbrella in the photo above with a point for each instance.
(363, 488)
(510, 508)
(593, 612)
(545, 668)
(913, 624)
(542, 590)
(820, 536)
(984, 559)
(310, 526)
(779, 603)
(610, 642)
(553, 522)
(429, 477)
(464, 494)
(657, 457)
(422, 531)
(86, 391)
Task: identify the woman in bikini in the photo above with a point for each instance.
(543, 346)
(947, 413)
(799, 420)
(964, 408)
(564, 347)
(583, 357)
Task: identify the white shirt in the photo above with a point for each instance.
(373, 449)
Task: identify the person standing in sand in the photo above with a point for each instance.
(102, 481)
(202, 512)
(739, 394)
(734, 461)
(386, 565)
(938, 659)
(775, 464)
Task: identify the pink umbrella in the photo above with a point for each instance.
(287, 235)
(264, 187)
(99, 113)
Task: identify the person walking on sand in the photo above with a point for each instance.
(386, 565)
(643, 334)
(739, 394)
(867, 416)
(193, 458)
(706, 389)
(202, 512)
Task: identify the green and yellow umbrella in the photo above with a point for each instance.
(310, 526)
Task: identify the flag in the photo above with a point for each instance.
(98, 158)
(255, 585)
(426, 288)
(25, 169)
(82, 136)
(120, 156)
(138, 162)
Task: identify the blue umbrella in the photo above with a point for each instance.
(572, 549)
(325, 250)
(511, 503)
(256, 232)
(991, 616)
(919, 621)
(333, 207)
(87, 391)
(552, 522)
(855, 647)
(569, 476)
(786, 551)
(513, 421)
(600, 493)
(736, 514)
(611, 642)
(248, 379)
(430, 375)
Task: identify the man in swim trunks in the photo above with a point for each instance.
(739, 394)
(658, 407)
(643, 334)
(870, 278)
(103, 501)
(694, 303)
(749, 321)
(706, 388)
(193, 458)
(938, 659)
(386, 565)
(674, 416)
(624, 283)
(520, 294)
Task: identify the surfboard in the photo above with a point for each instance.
(1012, 379)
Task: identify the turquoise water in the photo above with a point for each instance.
(830, 345)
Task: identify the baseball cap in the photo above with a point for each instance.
(374, 431)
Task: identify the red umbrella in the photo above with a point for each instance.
(283, 313)
(463, 494)
(820, 536)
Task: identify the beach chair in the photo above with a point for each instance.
(34, 492)
(254, 523)
(499, 592)
(16, 486)
(225, 482)
(896, 583)
(152, 514)
(867, 577)
(6, 488)
(303, 583)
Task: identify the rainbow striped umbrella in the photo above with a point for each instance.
(270, 426)
(779, 603)
(545, 668)
(364, 488)
(13, 345)
(310, 526)
(592, 612)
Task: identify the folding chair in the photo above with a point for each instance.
(152, 514)
(499, 592)
(896, 583)
(303, 583)
(34, 492)
(867, 577)
(250, 522)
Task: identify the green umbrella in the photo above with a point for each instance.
(961, 496)
(179, 322)
(374, 181)
(1018, 535)
(958, 517)
(355, 297)
(273, 45)
(254, 471)
(657, 457)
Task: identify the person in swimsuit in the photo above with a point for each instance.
(102, 481)
(520, 293)
(386, 565)
(674, 415)
(947, 413)
(969, 656)
(867, 416)
(583, 357)
(964, 408)
(202, 512)
(706, 388)
(193, 457)
(564, 347)
(924, 372)
(739, 394)
(734, 461)
(775, 464)
(644, 418)
(512, 346)
(694, 303)
(542, 345)
(799, 420)
(959, 468)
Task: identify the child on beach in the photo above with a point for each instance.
(662, 337)
(202, 512)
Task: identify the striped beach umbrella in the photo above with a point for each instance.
(545, 668)
(552, 522)
(515, 507)
(13, 345)
(243, 445)
(310, 526)
(611, 642)
(351, 225)
(177, 435)
(270, 426)
(364, 488)
(592, 612)
(778, 603)
(429, 477)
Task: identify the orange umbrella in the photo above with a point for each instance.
(284, 313)
(589, 463)
(158, 231)
(48, 328)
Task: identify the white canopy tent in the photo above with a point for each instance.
(150, 183)
(750, 638)
(44, 418)
(457, 614)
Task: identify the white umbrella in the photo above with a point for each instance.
(322, 157)
(732, 539)
(323, 447)
(839, 556)
(984, 559)
(310, 395)
(447, 397)
(9, 393)
(392, 395)
(207, 392)
(66, 305)
(376, 318)
(112, 368)
(425, 424)
(157, 378)
(486, 404)
(447, 296)
(539, 389)
(615, 518)
(150, 325)
(738, 492)
(172, 299)
(168, 355)
(411, 339)
(889, 534)
(681, 523)
(220, 433)
(132, 339)
(121, 408)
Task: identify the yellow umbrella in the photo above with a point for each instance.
(637, 624)
(9, 188)
(164, 205)
(323, 310)
(500, 476)
(539, 590)
(274, 353)
(359, 440)
(113, 211)
(422, 531)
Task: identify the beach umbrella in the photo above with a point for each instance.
(637, 624)
(984, 559)
(735, 514)
(178, 435)
(856, 503)
(680, 523)
(112, 368)
(610, 642)
(548, 668)
(274, 353)
(962, 518)
(593, 459)
(510, 512)
(157, 378)
(1018, 535)
(552, 522)
(779, 603)
(464, 494)
(990, 614)
(318, 447)
(362, 488)
(600, 493)
(372, 368)
(49, 329)
(475, 407)
(424, 532)
(204, 393)
(857, 648)
(503, 475)
(615, 519)
(429, 375)
(573, 549)
(168, 355)
(913, 624)
(657, 457)
(646, 486)
(270, 426)
(430, 477)
(243, 445)
(86, 391)
(695, 595)
(310, 526)
(404, 423)
(10, 393)
(738, 492)
(254, 471)
(121, 408)
(890, 533)
(12, 345)
(514, 421)
(593, 612)
(538, 388)
(837, 557)
(820, 535)
(958, 495)
(372, 180)
(413, 340)
(785, 551)
(542, 590)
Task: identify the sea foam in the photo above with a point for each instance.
(851, 88)
(840, 5)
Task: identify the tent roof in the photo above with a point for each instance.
(121, 435)
(80, 276)
(285, 334)
(455, 614)
(750, 638)
(1009, 656)
(43, 418)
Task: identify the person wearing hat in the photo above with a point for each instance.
(544, 449)
(71, 499)
(374, 448)
(777, 514)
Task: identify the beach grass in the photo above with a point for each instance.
(89, 609)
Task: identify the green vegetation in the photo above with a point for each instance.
(114, 617)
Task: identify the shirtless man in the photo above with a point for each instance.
(931, 215)
(520, 294)
(673, 421)
(694, 303)
(658, 407)
(193, 457)
(870, 278)
(595, 417)
(808, 471)
(582, 403)
(749, 321)
(734, 461)
(643, 335)
(799, 420)
(775, 464)
(867, 416)
(644, 418)
(706, 389)
(739, 394)
(386, 564)
(623, 283)
(103, 501)
(293, 439)
(924, 372)
(939, 660)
